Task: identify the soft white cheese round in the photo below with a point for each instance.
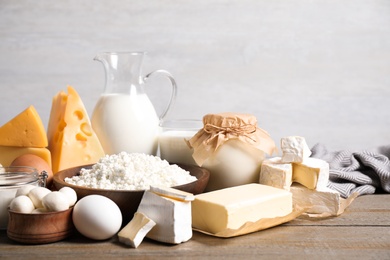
(55, 201)
(70, 194)
(22, 204)
(24, 190)
(36, 195)
(97, 217)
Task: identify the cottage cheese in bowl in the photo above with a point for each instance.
(131, 171)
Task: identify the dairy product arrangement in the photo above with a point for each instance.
(246, 183)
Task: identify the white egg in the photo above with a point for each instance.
(97, 217)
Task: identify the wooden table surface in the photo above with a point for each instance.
(361, 232)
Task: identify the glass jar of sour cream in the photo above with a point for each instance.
(173, 138)
(232, 148)
(11, 179)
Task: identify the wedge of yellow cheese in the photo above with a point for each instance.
(10, 153)
(24, 130)
(72, 142)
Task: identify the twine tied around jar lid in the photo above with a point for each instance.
(215, 131)
(219, 128)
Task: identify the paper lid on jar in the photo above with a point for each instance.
(219, 128)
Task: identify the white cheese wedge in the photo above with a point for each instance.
(318, 201)
(312, 173)
(230, 208)
(135, 231)
(172, 193)
(172, 217)
(276, 174)
(294, 149)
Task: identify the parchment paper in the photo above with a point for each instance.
(261, 224)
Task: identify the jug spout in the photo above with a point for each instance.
(122, 70)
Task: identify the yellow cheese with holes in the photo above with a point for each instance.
(24, 130)
(72, 142)
(10, 153)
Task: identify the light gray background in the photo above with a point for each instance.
(319, 69)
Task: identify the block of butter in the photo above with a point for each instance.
(230, 208)
(275, 173)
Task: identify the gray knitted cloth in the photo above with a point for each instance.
(364, 172)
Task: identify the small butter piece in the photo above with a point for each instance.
(275, 173)
(312, 173)
(294, 149)
(319, 201)
(230, 208)
(135, 231)
(172, 193)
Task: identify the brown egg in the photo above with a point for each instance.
(36, 162)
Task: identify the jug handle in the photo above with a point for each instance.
(174, 89)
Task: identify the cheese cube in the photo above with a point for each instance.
(172, 217)
(313, 173)
(135, 231)
(24, 130)
(230, 208)
(276, 174)
(294, 149)
(319, 201)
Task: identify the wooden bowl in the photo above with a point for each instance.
(129, 200)
(40, 228)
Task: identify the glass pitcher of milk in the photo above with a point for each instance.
(124, 118)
